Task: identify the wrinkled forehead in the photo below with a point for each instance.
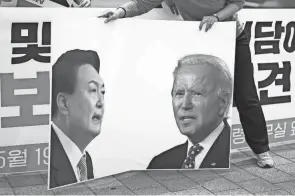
(196, 75)
(87, 73)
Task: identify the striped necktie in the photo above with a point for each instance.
(82, 166)
(189, 162)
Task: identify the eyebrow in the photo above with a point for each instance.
(96, 83)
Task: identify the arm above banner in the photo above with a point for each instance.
(44, 3)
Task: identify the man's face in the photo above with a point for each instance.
(196, 104)
(86, 104)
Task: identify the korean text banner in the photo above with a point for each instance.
(25, 95)
(272, 45)
(136, 67)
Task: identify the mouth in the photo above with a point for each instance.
(96, 118)
(187, 118)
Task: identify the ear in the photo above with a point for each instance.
(62, 103)
(224, 97)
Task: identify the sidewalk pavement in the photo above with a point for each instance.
(243, 178)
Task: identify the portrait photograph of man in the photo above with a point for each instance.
(201, 97)
(79, 149)
(77, 113)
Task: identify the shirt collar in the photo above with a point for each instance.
(208, 142)
(73, 152)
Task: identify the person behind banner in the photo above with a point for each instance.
(201, 97)
(77, 112)
(208, 12)
(75, 3)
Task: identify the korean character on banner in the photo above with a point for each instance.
(46, 155)
(272, 45)
(17, 158)
(27, 33)
(238, 136)
(280, 131)
(25, 101)
(293, 128)
(269, 129)
(285, 81)
(289, 42)
(2, 159)
(43, 155)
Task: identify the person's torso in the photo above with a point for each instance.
(195, 10)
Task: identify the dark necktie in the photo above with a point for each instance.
(189, 162)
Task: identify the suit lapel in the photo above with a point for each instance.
(182, 154)
(218, 155)
(61, 171)
(89, 167)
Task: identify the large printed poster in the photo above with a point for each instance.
(142, 95)
(144, 98)
(279, 116)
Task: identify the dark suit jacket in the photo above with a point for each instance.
(61, 171)
(217, 156)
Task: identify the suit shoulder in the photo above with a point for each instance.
(167, 159)
(172, 151)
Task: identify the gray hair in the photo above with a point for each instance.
(203, 59)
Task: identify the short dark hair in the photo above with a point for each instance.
(64, 72)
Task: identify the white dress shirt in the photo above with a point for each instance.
(73, 152)
(207, 143)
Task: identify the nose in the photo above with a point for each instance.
(187, 101)
(99, 104)
(100, 100)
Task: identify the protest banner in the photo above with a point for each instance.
(125, 60)
(278, 111)
(25, 89)
(272, 44)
